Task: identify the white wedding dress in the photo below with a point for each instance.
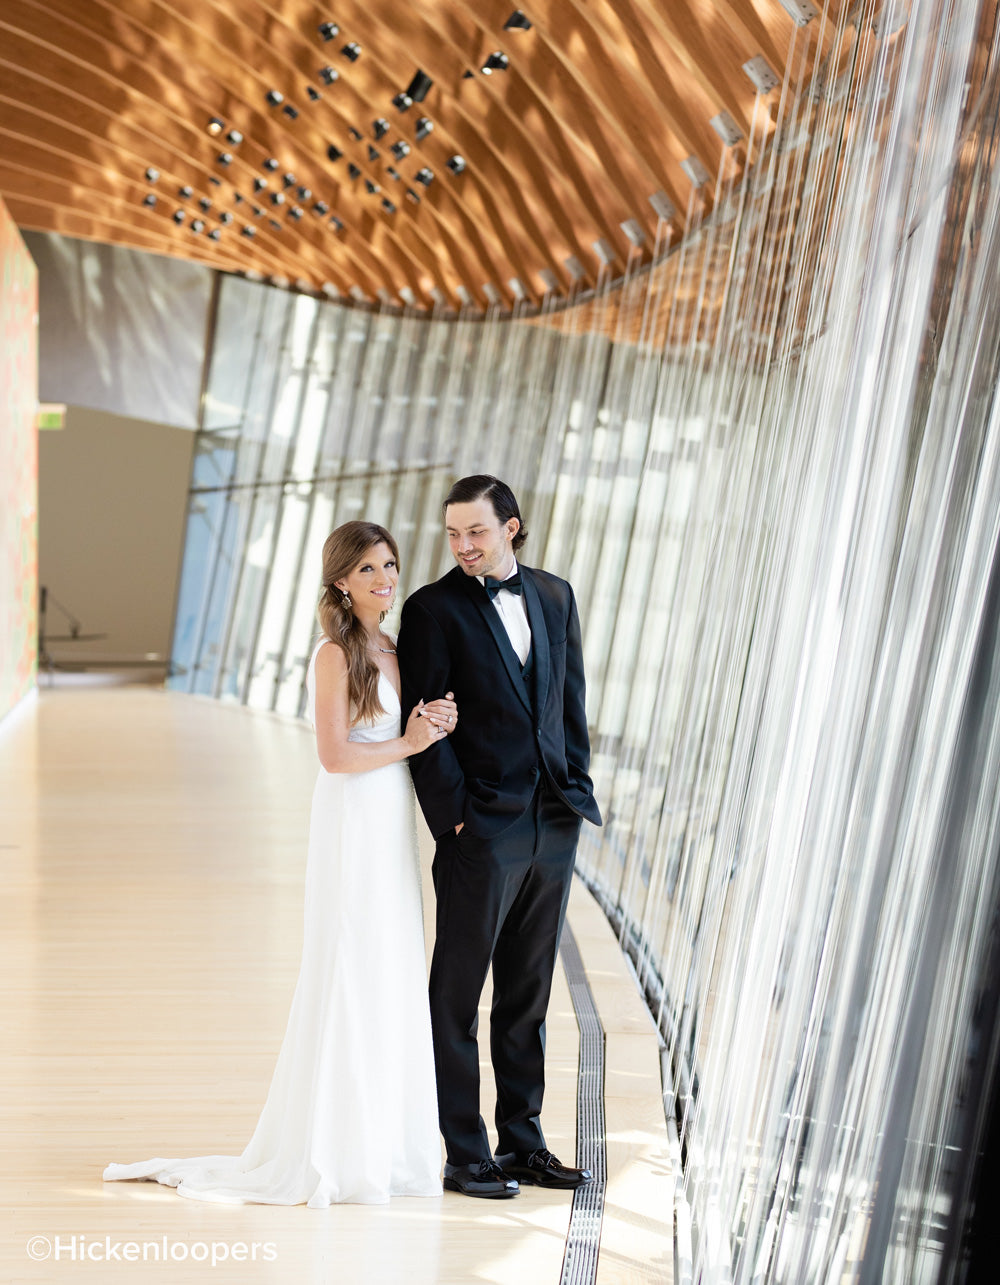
(351, 1114)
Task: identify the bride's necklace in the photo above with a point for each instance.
(389, 651)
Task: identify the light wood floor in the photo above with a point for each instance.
(153, 850)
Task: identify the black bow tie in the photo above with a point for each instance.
(493, 587)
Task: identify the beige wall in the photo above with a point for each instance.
(112, 502)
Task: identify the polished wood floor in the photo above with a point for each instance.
(153, 851)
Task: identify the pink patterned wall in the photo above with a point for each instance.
(18, 466)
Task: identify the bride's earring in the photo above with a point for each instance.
(347, 599)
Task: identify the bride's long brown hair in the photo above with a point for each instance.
(344, 550)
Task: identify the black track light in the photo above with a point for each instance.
(185, 192)
(197, 225)
(178, 216)
(373, 153)
(288, 179)
(235, 137)
(419, 86)
(205, 204)
(354, 133)
(400, 149)
(214, 235)
(425, 176)
(313, 94)
(152, 175)
(393, 173)
(380, 127)
(424, 126)
(495, 62)
(388, 206)
(256, 211)
(371, 188)
(328, 75)
(352, 50)
(304, 193)
(216, 182)
(353, 171)
(215, 125)
(274, 98)
(334, 153)
(238, 198)
(336, 223)
(456, 164)
(270, 164)
(412, 197)
(402, 102)
(468, 75)
(517, 22)
(329, 30)
(277, 198)
(321, 208)
(291, 112)
(249, 230)
(275, 224)
(295, 212)
(150, 200)
(259, 184)
(225, 218)
(225, 158)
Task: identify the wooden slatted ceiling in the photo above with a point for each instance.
(601, 102)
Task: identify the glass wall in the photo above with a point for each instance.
(770, 466)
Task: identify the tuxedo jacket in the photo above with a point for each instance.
(510, 730)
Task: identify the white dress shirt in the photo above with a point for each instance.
(514, 614)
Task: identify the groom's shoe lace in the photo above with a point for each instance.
(543, 1159)
(489, 1169)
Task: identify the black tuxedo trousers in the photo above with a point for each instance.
(514, 774)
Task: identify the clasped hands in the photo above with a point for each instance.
(431, 721)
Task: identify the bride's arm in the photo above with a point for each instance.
(333, 723)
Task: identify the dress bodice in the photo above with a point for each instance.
(384, 728)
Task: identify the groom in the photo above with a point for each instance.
(504, 796)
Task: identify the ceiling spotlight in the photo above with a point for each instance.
(216, 182)
(178, 216)
(336, 223)
(314, 94)
(392, 172)
(216, 126)
(152, 175)
(150, 200)
(329, 30)
(517, 22)
(402, 102)
(205, 204)
(400, 149)
(226, 218)
(225, 158)
(214, 235)
(413, 197)
(288, 179)
(197, 225)
(291, 112)
(334, 153)
(277, 198)
(270, 164)
(352, 51)
(424, 127)
(238, 198)
(425, 176)
(256, 211)
(419, 86)
(185, 192)
(275, 224)
(456, 164)
(259, 184)
(354, 133)
(295, 212)
(373, 153)
(321, 208)
(468, 75)
(328, 75)
(235, 137)
(495, 62)
(372, 188)
(249, 230)
(304, 193)
(380, 127)
(388, 206)
(353, 171)
(274, 99)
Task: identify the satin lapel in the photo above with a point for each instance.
(489, 613)
(539, 636)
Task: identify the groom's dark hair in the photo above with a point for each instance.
(484, 486)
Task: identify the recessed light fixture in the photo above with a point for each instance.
(402, 102)
(373, 153)
(400, 149)
(270, 164)
(388, 206)
(353, 171)
(329, 30)
(456, 164)
(392, 172)
(328, 75)
(214, 235)
(235, 137)
(304, 193)
(186, 192)
(336, 223)
(178, 216)
(152, 175)
(150, 200)
(497, 61)
(197, 225)
(380, 127)
(373, 189)
(256, 211)
(291, 112)
(259, 184)
(313, 94)
(205, 204)
(225, 158)
(249, 229)
(274, 98)
(468, 75)
(295, 212)
(517, 22)
(425, 126)
(238, 198)
(277, 198)
(334, 152)
(216, 126)
(226, 218)
(288, 179)
(352, 50)
(321, 208)
(425, 176)
(419, 86)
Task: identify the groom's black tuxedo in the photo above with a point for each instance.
(514, 773)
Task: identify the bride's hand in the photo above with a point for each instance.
(421, 732)
(443, 711)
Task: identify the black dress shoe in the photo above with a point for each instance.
(485, 1179)
(541, 1169)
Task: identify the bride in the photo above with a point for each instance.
(351, 1114)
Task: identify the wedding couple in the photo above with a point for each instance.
(489, 674)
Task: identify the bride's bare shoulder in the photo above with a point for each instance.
(331, 662)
